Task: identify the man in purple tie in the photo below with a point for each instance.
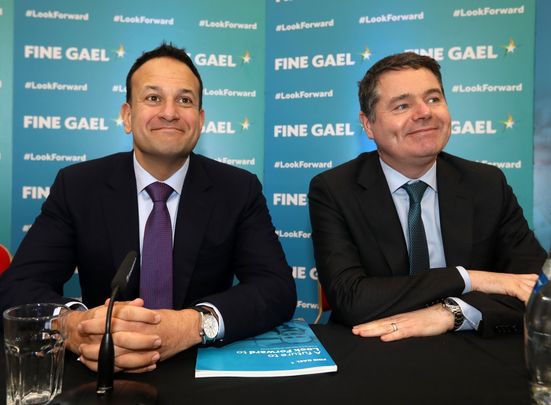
(196, 223)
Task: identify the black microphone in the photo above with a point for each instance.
(106, 360)
(108, 391)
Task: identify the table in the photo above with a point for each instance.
(455, 368)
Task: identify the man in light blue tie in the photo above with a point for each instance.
(410, 240)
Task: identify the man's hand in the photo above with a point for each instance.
(434, 320)
(514, 285)
(76, 336)
(139, 344)
(179, 330)
(133, 351)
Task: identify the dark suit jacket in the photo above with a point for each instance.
(90, 220)
(361, 253)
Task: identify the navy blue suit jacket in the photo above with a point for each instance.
(361, 253)
(223, 229)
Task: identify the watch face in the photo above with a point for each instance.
(210, 326)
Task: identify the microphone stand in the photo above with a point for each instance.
(106, 359)
(107, 390)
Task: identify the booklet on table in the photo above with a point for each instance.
(289, 349)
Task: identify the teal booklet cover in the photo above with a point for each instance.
(289, 349)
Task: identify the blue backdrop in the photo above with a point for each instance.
(280, 92)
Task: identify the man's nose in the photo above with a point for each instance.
(422, 110)
(169, 111)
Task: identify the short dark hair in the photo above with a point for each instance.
(165, 50)
(367, 92)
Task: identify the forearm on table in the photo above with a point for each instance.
(361, 299)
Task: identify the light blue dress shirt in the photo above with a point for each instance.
(430, 213)
(145, 205)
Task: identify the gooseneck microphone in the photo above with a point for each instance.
(106, 360)
(107, 390)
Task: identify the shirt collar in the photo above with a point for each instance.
(144, 178)
(395, 179)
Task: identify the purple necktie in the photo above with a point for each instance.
(156, 270)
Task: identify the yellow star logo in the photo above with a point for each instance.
(247, 57)
(245, 124)
(366, 54)
(509, 123)
(118, 121)
(120, 51)
(510, 47)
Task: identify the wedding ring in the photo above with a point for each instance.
(394, 327)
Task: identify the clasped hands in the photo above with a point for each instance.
(142, 336)
(436, 320)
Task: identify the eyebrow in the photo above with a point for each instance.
(157, 88)
(408, 95)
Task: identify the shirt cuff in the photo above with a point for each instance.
(71, 305)
(221, 329)
(466, 278)
(76, 306)
(472, 315)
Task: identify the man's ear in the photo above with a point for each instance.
(126, 117)
(366, 124)
(202, 117)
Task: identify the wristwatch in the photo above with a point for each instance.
(209, 324)
(455, 309)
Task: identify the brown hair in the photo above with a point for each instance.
(164, 51)
(367, 92)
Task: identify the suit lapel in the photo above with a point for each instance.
(456, 213)
(194, 210)
(120, 207)
(375, 200)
